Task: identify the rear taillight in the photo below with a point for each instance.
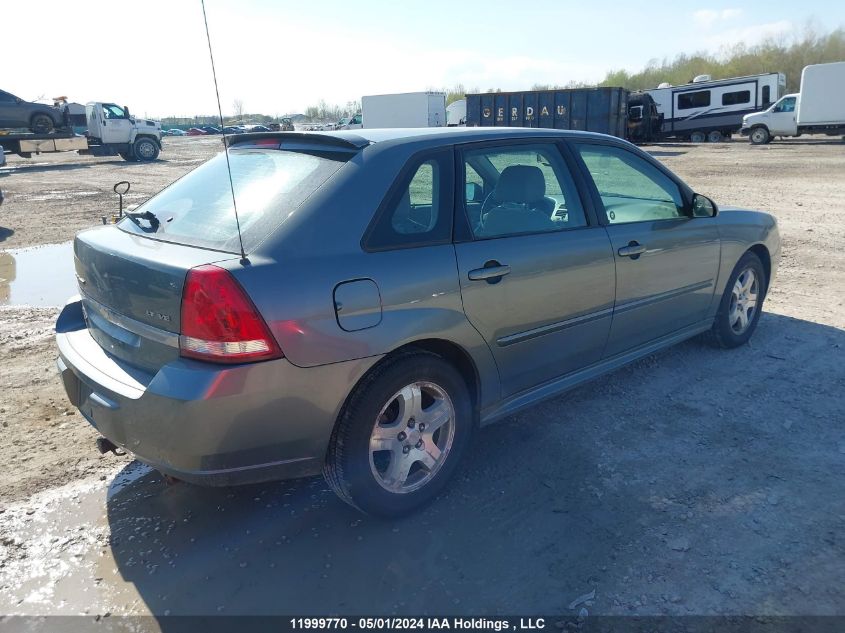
(220, 323)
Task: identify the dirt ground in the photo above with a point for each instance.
(696, 481)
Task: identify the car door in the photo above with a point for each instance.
(535, 268)
(666, 259)
(781, 119)
(117, 128)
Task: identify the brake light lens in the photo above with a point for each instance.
(219, 322)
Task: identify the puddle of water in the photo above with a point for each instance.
(38, 275)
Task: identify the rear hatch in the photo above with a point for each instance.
(131, 290)
(132, 276)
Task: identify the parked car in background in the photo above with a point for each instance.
(480, 271)
(195, 131)
(210, 129)
(38, 117)
(175, 131)
(232, 129)
(259, 128)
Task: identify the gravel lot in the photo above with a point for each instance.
(697, 481)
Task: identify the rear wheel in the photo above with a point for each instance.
(760, 136)
(400, 436)
(742, 303)
(41, 124)
(145, 149)
(714, 136)
(697, 137)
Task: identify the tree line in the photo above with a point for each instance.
(771, 55)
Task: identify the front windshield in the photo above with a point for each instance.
(269, 186)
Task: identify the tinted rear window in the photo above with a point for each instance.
(270, 184)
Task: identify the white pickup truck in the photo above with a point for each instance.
(818, 109)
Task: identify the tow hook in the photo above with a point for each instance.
(106, 446)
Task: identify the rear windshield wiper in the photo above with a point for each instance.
(149, 216)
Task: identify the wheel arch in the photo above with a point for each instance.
(762, 252)
(449, 351)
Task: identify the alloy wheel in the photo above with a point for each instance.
(412, 437)
(743, 301)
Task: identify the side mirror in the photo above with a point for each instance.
(703, 207)
(126, 111)
(474, 192)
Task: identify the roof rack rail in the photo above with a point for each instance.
(344, 140)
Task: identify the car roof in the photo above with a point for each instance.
(456, 134)
(386, 137)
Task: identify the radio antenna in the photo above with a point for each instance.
(225, 141)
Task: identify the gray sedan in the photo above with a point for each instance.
(38, 117)
(390, 292)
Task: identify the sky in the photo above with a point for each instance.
(279, 57)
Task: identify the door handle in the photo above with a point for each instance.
(633, 250)
(490, 274)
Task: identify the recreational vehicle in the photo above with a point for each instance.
(708, 109)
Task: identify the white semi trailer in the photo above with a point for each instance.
(818, 109)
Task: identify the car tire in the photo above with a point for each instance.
(697, 137)
(380, 457)
(759, 135)
(41, 123)
(128, 156)
(714, 136)
(145, 149)
(741, 304)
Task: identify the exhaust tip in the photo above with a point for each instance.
(107, 446)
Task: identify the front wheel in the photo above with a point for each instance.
(145, 149)
(697, 137)
(400, 436)
(742, 303)
(760, 136)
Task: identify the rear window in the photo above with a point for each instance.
(270, 184)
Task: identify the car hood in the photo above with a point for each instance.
(148, 123)
(746, 216)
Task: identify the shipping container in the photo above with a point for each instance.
(601, 110)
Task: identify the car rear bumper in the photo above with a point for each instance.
(204, 423)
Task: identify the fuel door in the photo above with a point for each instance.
(357, 304)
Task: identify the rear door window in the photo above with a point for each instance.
(269, 185)
(527, 189)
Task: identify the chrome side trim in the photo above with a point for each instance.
(663, 296)
(519, 337)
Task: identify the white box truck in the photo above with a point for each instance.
(818, 109)
(410, 109)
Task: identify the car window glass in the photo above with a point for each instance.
(631, 189)
(5, 97)
(416, 210)
(528, 190)
(787, 105)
